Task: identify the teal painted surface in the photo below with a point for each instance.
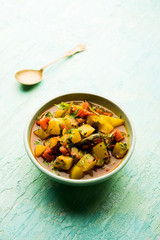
(122, 62)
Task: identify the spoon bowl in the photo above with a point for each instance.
(29, 76)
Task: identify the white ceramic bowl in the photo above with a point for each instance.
(92, 98)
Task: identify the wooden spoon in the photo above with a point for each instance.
(30, 77)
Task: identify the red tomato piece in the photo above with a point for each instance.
(107, 114)
(48, 154)
(63, 126)
(98, 110)
(117, 135)
(85, 105)
(43, 122)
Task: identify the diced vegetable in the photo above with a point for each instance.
(64, 138)
(100, 150)
(75, 136)
(39, 150)
(105, 127)
(59, 113)
(85, 105)
(54, 141)
(117, 135)
(41, 133)
(83, 113)
(103, 119)
(76, 172)
(86, 163)
(119, 150)
(98, 110)
(80, 121)
(63, 162)
(63, 150)
(54, 126)
(70, 122)
(100, 162)
(63, 126)
(115, 122)
(86, 130)
(43, 122)
(47, 142)
(109, 140)
(107, 114)
(76, 154)
(64, 131)
(91, 119)
(48, 154)
(69, 108)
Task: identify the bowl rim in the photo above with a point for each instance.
(77, 181)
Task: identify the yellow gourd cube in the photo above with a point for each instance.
(59, 113)
(103, 119)
(75, 136)
(63, 162)
(100, 150)
(54, 126)
(53, 142)
(39, 150)
(41, 133)
(91, 119)
(86, 163)
(69, 122)
(119, 150)
(86, 130)
(105, 127)
(104, 124)
(76, 172)
(64, 138)
(115, 122)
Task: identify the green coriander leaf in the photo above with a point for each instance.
(57, 163)
(63, 106)
(73, 114)
(38, 142)
(69, 131)
(48, 114)
(123, 146)
(70, 137)
(38, 117)
(46, 163)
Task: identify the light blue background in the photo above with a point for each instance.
(122, 62)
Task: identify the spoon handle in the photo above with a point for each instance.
(79, 48)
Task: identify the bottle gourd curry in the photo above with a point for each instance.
(79, 140)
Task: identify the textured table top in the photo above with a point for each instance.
(122, 62)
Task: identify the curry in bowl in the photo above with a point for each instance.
(79, 140)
